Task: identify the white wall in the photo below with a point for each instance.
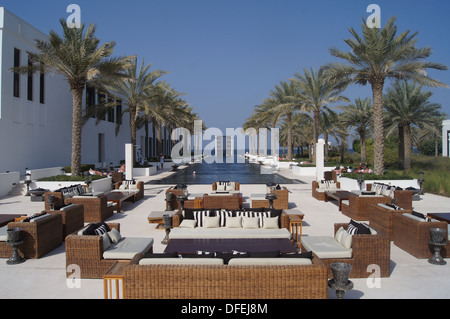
(37, 135)
(445, 138)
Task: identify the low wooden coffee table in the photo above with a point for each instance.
(443, 217)
(5, 219)
(229, 244)
(337, 195)
(119, 197)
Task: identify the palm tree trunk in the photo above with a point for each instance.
(289, 136)
(133, 130)
(407, 151)
(77, 96)
(401, 146)
(326, 148)
(316, 134)
(362, 136)
(159, 138)
(377, 91)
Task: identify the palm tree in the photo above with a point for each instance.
(78, 57)
(285, 102)
(327, 125)
(133, 91)
(359, 116)
(406, 105)
(164, 108)
(432, 132)
(316, 96)
(377, 55)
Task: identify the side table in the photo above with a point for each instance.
(115, 273)
(296, 226)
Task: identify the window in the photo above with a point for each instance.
(30, 83)
(110, 111)
(16, 84)
(42, 86)
(90, 97)
(101, 101)
(119, 112)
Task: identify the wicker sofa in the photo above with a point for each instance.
(381, 218)
(96, 208)
(282, 201)
(413, 235)
(72, 218)
(365, 250)
(39, 237)
(139, 188)
(357, 207)
(225, 201)
(319, 189)
(196, 281)
(88, 253)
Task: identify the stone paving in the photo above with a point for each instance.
(45, 278)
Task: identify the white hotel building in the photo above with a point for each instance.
(36, 113)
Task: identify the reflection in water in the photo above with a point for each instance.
(244, 173)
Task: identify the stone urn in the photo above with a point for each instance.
(340, 282)
(437, 235)
(14, 235)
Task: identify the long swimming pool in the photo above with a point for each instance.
(208, 173)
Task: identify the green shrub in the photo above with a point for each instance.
(83, 168)
(67, 178)
(386, 176)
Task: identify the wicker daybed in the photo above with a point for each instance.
(194, 281)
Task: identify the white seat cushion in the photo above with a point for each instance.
(280, 261)
(128, 247)
(181, 261)
(325, 247)
(3, 233)
(225, 232)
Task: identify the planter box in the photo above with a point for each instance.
(308, 171)
(352, 184)
(144, 171)
(103, 185)
(8, 181)
(44, 172)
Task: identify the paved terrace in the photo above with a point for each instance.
(45, 278)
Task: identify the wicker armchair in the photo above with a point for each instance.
(237, 186)
(366, 250)
(359, 205)
(87, 252)
(224, 282)
(96, 209)
(140, 187)
(193, 203)
(413, 236)
(72, 218)
(231, 201)
(381, 219)
(282, 201)
(39, 238)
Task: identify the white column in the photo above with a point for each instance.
(128, 161)
(320, 167)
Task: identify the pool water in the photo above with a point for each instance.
(205, 173)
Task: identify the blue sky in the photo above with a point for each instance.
(227, 55)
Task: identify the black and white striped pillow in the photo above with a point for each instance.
(101, 230)
(352, 229)
(200, 215)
